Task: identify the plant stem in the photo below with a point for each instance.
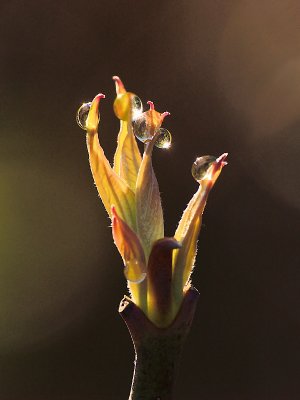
(157, 350)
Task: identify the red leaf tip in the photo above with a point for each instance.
(221, 160)
(151, 104)
(119, 85)
(164, 114)
(113, 211)
(100, 96)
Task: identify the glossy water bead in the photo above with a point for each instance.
(146, 125)
(133, 273)
(136, 107)
(164, 139)
(82, 115)
(201, 165)
(141, 129)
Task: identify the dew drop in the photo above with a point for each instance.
(82, 115)
(136, 107)
(201, 165)
(126, 102)
(133, 272)
(141, 129)
(164, 139)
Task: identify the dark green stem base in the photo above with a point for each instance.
(157, 350)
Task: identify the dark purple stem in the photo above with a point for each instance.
(157, 350)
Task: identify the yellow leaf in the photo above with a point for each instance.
(187, 234)
(189, 228)
(121, 136)
(127, 159)
(130, 160)
(112, 189)
(131, 250)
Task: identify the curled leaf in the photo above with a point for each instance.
(187, 234)
(149, 214)
(189, 228)
(127, 159)
(130, 160)
(159, 278)
(111, 187)
(130, 248)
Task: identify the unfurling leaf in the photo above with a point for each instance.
(189, 227)
(127, 159)
(130, 248)
(149, 214)
(112, 189)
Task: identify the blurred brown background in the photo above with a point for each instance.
(229, 73)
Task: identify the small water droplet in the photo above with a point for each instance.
(133, 272)
(82, 115)
(164, 139)
(201, 165)
(141, 129)
(126, 102)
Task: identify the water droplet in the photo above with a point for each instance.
(147, 124)
(164, 139)
(82, 115)
(126, 102)
(133, 273)
(201, 165)
(141, 129)
(136, 107)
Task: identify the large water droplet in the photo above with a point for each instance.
(133, 272)
(136, 107)
(126, 102)
(82, 115)
(164, 139)
(201, 165)
(147, 124)
(141, 129)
